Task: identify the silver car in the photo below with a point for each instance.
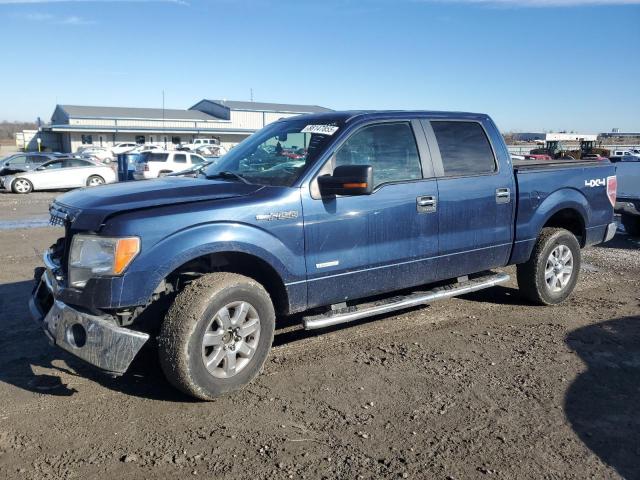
(61, 174)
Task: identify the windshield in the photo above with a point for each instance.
(276, 155)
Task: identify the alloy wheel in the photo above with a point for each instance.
(559, 268)
(230, 340)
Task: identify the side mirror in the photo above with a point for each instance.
(40, 168)
(347, 180)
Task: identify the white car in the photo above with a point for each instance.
(99, 153)
(199, 142)
(631, 151)
(61, 174)
(158, 164)
(145, 148)
(210, 150)
(123, 148)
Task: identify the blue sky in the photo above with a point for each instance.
(531, 64)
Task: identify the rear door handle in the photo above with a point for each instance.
(426, 204)
(503, 195)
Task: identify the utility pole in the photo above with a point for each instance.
(251, 93)
(164, 135)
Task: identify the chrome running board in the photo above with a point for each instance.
(349, 314)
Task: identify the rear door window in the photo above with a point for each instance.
(180, 158)
(464, 148)
(53, 165)
(74, 163)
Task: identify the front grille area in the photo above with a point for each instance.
(63, 216)
(59, 215)
(56, 221)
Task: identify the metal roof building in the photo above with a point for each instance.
(228, 121)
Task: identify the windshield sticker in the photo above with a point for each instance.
(320, 129)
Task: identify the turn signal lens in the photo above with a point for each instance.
(126, 251)
(354, 185)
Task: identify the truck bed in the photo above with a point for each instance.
(544, 186)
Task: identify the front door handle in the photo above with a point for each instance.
(503, 195)
(426, 204)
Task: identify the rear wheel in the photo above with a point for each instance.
(94, 181)
(21, 185)
(631, 224)
(551, 273)
(164, 173)
(216, 335)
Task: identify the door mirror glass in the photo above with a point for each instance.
(347, 180)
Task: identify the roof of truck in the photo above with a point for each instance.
(349, 115)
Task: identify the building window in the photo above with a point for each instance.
(86, 139)
(175, 140)
(140, 139)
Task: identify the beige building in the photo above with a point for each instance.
(73, 126)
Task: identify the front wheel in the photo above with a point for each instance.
(631, 224)
(551, 273)
(216, 335)
(95, 180)
(21, 185)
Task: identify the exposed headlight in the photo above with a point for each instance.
(93, 256)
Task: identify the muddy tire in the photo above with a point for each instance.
(551, 273)
(217, 335)
(631, 224)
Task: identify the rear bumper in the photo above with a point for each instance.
(610, 232)
(96, 339)
(628, 207)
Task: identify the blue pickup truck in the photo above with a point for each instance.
(334, 216)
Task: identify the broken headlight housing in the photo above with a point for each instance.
(93, 256)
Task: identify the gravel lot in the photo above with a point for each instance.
(480, 386)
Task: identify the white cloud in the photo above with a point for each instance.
(55, 19)
(75, 20)
(25, 2)
(545, 3)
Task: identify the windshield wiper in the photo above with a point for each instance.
(228, 176)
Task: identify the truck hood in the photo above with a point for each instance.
(88, 208)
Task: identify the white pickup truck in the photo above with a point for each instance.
(198, 142)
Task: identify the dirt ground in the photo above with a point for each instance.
(483, 386)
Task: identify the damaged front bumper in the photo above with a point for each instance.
(96, 339)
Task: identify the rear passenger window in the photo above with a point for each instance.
(390, 148)
(180, 158)
(464, 148)
(77, 163)
(157, 157)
